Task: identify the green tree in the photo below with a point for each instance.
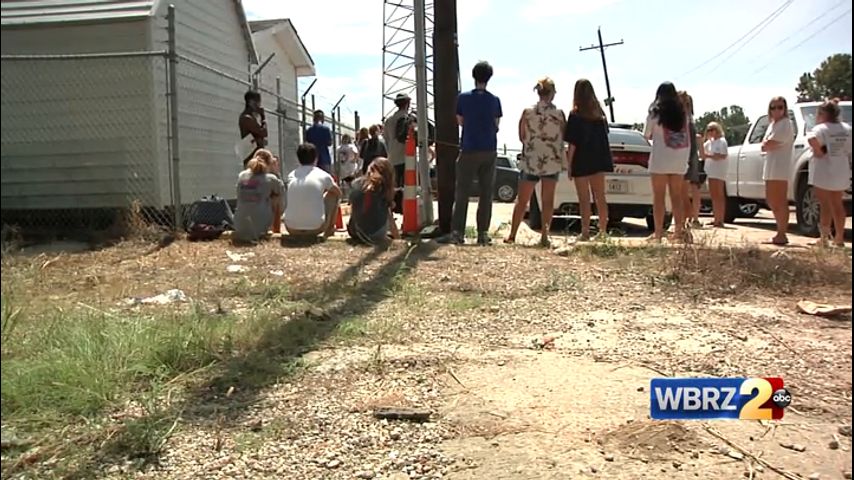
(732, 119)
(638, 126)
(832, 79)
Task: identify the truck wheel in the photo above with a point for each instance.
(733, 210)
(807, 209)
(749, 210)
(650, 222)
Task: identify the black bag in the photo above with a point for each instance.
(212, 211)
(202, 232)
(401, 130)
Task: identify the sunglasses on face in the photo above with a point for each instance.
(777, 107)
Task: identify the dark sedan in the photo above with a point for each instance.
(506, 179)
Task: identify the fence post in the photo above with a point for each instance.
(356, 122)
(280, 122)
(334, 154)
(302, 124)
(177, 205)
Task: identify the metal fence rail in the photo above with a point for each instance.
(94, 140)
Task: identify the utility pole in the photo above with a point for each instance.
(610, 100)
(445, 90)
(422, 121)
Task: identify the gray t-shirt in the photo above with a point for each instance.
(369, 214)
(254, 214)
(396, 150)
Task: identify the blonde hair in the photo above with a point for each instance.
(261, 162)
(545, 87)
(715, 126)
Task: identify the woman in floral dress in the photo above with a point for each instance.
(543, 158)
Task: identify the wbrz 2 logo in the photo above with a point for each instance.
(710, 398)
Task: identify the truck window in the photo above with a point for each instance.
(503, 162)
(810, 112)
(758, 133)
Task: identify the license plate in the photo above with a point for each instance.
(618, 186)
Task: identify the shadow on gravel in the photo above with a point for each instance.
(274, 358)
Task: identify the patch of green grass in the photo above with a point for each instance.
(360, 327)
(77, 363)
(460, 302)
(471, 232)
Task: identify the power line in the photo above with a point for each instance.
(760, 24)
(746, 42)
(799, 30)
(804, 41)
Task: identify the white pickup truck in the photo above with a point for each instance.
(744, 179)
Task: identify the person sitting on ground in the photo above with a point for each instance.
(372, 203)
(259, 194)
(311, 197)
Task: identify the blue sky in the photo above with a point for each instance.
(525, 40)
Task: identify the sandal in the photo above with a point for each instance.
(545, 242)
(776, 242)
(509, 240)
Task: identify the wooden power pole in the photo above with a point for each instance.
(610, 100)
(445, 89)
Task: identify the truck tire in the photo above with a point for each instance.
(807, 209)
(733, 210)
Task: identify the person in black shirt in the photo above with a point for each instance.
(589, 155)
(252, 122)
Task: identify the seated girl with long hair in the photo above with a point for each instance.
(372, 204)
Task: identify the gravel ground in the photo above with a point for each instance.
(532, 361)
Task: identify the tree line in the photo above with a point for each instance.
(832, 79)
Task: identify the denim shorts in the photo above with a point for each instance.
(527, 177)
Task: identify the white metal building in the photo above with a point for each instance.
(94, 132)
(291, 61)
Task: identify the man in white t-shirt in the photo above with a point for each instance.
(311, 197)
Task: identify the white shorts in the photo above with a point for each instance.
(717, 169)
(830, 173)
(776, 169)
(668, 165)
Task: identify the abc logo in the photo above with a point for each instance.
(782, 398)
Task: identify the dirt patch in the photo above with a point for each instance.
(652, 440)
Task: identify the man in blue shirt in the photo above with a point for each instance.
(320, 136)
(478, 113)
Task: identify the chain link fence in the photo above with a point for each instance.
(88, 139)
(79, 142)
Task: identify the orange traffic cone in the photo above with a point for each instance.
(339, 220)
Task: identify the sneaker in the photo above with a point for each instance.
(452, 238)
(483, 239)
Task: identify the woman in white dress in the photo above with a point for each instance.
(667, 128)
(777, 148)
(830, 170)
(715, 153)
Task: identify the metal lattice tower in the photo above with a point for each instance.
(399, 54)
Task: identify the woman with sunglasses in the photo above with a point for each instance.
(830, 170)
(715, 153)
(777, 149)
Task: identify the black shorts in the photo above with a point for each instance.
(527, 177)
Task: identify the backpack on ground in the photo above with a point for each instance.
(208, 218)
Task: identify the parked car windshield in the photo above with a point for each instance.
(810, 114)
(627, 137)
(505, 162)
